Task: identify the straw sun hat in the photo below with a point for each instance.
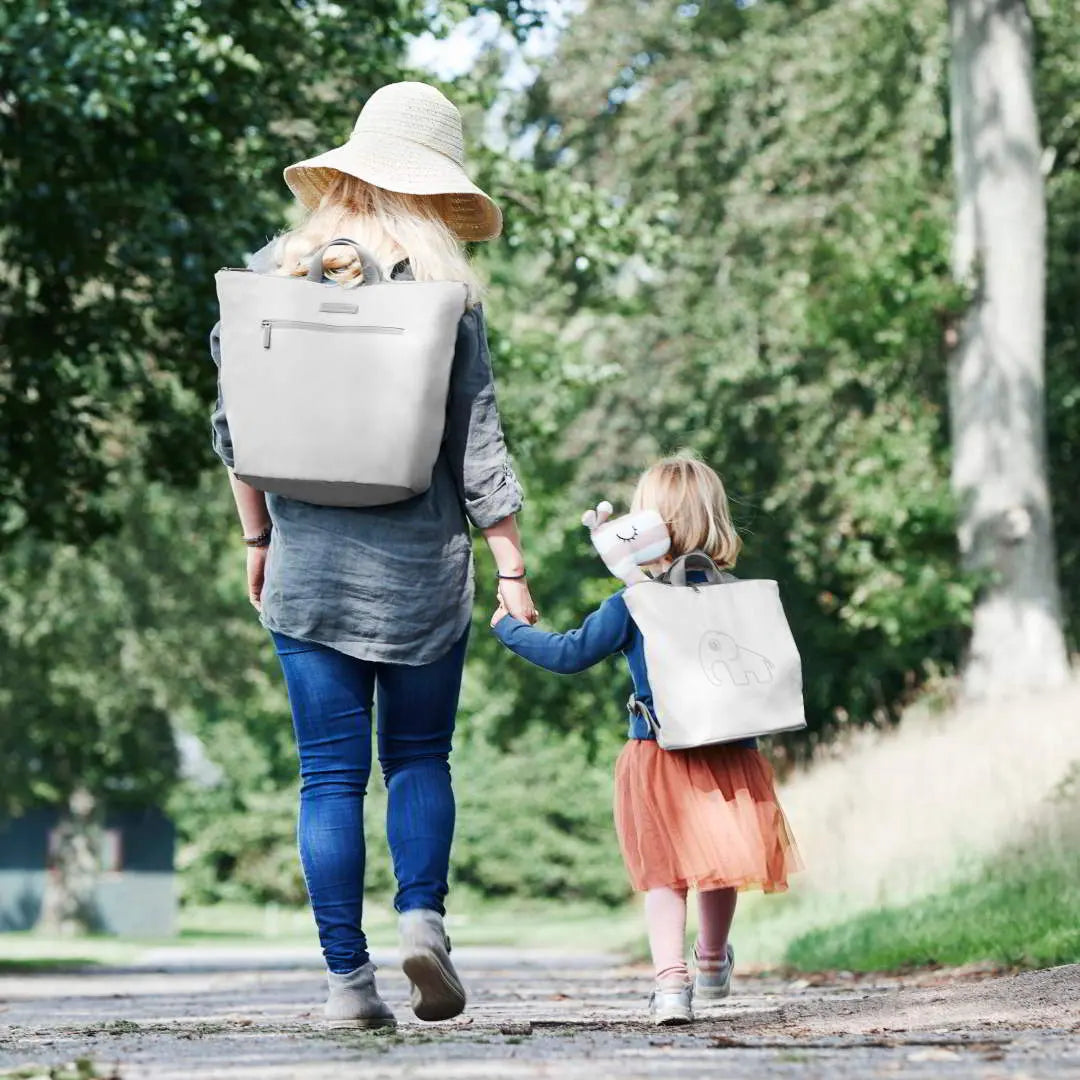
(407, 138)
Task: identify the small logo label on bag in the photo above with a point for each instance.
(339, 308)
(726, 663)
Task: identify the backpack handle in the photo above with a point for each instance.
(697, 560)
(372, 275)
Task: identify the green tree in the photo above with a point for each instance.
(795, 330)
(107, 650)
(791, 328)
(1057, 97)
(142, 147)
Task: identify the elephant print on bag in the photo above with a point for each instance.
(725, 662)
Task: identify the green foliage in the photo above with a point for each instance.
(142, 147)
(789, 328)
(77, 712)
(107, 648)
(731, 233)
(534, 817)
(1057, 76)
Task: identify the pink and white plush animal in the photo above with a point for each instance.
(629, 542)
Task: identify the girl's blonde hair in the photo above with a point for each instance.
(391, 225)
(691, 499)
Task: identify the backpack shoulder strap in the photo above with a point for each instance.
(693, 560)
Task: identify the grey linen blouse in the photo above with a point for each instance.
(392, 583)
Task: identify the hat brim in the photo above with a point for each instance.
(398, 164)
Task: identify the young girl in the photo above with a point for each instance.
(705, 818)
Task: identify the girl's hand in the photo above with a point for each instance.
(500, 614)
(256, 570)
(514, 596)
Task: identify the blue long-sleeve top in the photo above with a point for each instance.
(608, 630)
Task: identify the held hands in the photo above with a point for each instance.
(514, 598)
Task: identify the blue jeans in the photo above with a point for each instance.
(331, 699)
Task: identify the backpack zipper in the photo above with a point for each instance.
(331, 328)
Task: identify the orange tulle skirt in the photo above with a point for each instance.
(706, 818)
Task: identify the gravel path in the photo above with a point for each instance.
(217, 1015)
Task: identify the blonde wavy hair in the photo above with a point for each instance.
(691, 499)
(391, 225)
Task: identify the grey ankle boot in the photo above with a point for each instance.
(437, 993)
(354, 1000)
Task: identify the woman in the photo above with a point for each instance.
(375, 603)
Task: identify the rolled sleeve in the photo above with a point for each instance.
(475, 445)
(222, 440)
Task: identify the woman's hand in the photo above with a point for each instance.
(513, 595)
(256, 570)
(515, 598)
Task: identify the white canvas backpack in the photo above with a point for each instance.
(337, 395)
(722, 661)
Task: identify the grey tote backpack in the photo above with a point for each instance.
(722, 662)
(337, 395)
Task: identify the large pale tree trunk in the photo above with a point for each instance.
(996, 380)
(68, 907)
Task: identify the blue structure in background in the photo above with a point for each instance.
(136, 894)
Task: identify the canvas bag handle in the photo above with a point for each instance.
(696, 560)
(372, 275)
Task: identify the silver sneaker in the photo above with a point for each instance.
(713, 981)
(354, 1000)
(671, 1005)
(437, 993)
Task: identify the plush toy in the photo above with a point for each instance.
(629, 542)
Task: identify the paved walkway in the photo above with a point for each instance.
(219, 1015)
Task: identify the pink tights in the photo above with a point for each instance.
(665, 915)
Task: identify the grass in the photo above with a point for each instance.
(43, 965)
(951, 839)
(1018, 912)
(545, 924)
(82, 1069)
(471, 921)
(248, 926)
(1015, 908)
(25, 953)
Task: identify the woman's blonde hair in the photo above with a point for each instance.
(691, 499)
(391, 225)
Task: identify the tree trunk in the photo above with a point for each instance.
(69, 906)
(996, 379)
